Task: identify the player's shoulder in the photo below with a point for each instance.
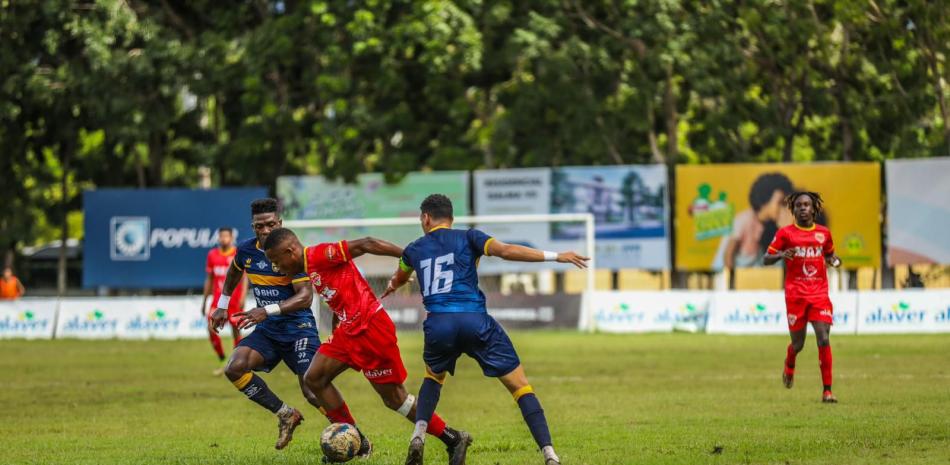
(822, 228)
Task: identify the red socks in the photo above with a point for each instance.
(824, 359)
(436, 425)
(790, 360)
(216, 343)
(341, 415)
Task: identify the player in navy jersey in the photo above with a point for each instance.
(445, 261)
(285, 327)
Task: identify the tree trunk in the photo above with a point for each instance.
(156, 158)
(672, 119)
(67, 149)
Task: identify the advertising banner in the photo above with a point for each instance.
(28, 319)
(629, 204)
(91, 318)
(512, 311)
(726, 215)
(640, 312)
(918, 211)
(764, 313)
(906, 311)
(158, 238)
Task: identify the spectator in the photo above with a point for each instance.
(10, 287)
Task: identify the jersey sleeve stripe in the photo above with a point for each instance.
(773, 250)
(300, 280)
(490, 239)
(236, 266)
(343, 252)
(404, 266)
(262, 280)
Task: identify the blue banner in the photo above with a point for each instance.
(158, 238)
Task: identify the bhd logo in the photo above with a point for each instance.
(129, 237)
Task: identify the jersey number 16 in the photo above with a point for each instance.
(436, 279)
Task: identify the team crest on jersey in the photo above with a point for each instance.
(792, 319)
(262, 265)
(809, 270)
(315, 279)
(274, 267)
(247, 263)
(820, 237)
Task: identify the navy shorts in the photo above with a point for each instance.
(478, 335)
(297, 353)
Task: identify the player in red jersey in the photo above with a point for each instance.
(806, 247)
(216, 266)
(364, 337)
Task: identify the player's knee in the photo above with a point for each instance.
(236, 369)
(798, 345)
(823, 340)
(316, 379)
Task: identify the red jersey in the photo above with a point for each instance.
(341, 285)
(217, 265)
(805, 273)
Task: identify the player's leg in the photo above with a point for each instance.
(319, 381)
(218, 349)
(797, 326)
(256, 352)
(823, 337)
(440, 353)
(491, 347)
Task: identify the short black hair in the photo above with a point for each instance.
(816, 201)
(226, 229)
(277, 237)
(267, 205)
(765, 186)
(438, 206)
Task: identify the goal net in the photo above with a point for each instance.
(514, 289)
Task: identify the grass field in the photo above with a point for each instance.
(653, 399)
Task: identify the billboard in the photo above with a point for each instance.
(918, 211)
(628, 202)
(158, 238)
(318, 198)
(905, 311)
(726, 215)
(28, 318)
(648, 311)
(763, 312)
(512, 311)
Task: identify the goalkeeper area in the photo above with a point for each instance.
(610, 399)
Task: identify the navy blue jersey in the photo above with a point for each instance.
(446, 265)
(271, 287)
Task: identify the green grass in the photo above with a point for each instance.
(653, 399)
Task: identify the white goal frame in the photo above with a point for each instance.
(586, 218)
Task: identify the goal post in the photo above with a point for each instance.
(401, 230)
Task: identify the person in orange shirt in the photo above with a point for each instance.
(10, 287)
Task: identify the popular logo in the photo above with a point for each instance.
(129, 238)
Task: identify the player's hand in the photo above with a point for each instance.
(834, 261)
(788, 254)
(390, 288)
(218, 318)
(250, 317)
(573, 258)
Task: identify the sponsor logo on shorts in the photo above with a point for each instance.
(300, 346)
(378, 373)
(825, 313)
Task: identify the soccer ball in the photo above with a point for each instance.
(340, 442)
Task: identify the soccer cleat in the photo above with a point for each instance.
(788, 379)
(416, 447)
(218, 371)
(552, 462)
(828, 398)
(458, 451)
(366, 447)
(286, 424)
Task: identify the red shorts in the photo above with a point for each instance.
(802, 309)
(374, 351)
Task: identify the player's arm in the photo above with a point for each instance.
(831, 258)
(399, 279)
(220, 315)
(373, 246)
(302, 299)
(206, 292)
(775, 251)
(520, 253)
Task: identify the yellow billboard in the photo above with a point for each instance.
(726, 215)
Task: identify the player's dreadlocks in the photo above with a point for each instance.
(816, 201)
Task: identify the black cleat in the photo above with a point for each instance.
(458, 451)
(416, 447)
(366, 448)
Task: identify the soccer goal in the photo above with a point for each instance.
(556, 232)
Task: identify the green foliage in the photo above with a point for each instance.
(144, 93)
